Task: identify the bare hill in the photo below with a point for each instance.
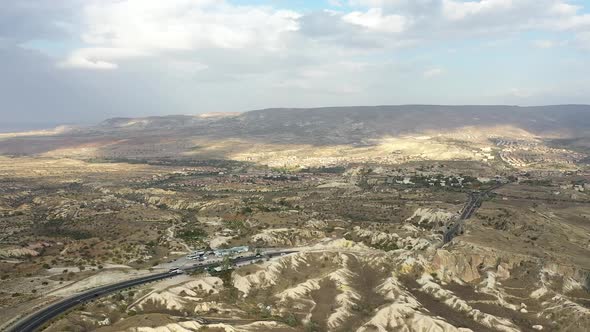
(350, 124)
(182, 135)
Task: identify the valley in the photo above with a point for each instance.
(362, 197)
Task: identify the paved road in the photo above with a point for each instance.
(38, 319)
(473, 203)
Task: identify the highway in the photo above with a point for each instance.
(473, 203)
(38, 319)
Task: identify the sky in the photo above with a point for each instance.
(82, 61)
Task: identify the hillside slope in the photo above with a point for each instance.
(330, 135)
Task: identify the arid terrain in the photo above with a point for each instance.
(363, 196)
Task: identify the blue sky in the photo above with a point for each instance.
(87, 60)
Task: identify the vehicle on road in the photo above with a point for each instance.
(35, 321)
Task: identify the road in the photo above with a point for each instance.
(38, 319)
(473, 203)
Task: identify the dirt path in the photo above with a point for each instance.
(170, 234)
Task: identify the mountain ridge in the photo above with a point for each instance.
(190, 136)
(387, 120)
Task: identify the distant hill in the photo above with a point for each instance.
(318, 126)
(561, 120)
(350, 124)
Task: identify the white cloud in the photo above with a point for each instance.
(457, 10)
(573, 22)
(565, 9)
(154, 26)
(100, 58)
(374, 19)
(371, 3)
(434, 72)
(191, 54)
(484, 15)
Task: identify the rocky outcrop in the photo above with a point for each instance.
(569, 315)
(179, 296)
(430, 217)
(382, 240)
(286, 237)
(466, 263)
(18, 252)
(460, 305)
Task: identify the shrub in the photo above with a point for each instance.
(291, 320)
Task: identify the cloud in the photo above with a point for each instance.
(434, 72)
(99, 57)
(21, 21)
(374, 19)
(126, 28)
(458, 10)
(95, 58)
(117, 30)
(328, 32)
(32, 89)
(459, 17)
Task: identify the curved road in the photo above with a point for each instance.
(38, 319)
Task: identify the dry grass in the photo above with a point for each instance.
(69, 169)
